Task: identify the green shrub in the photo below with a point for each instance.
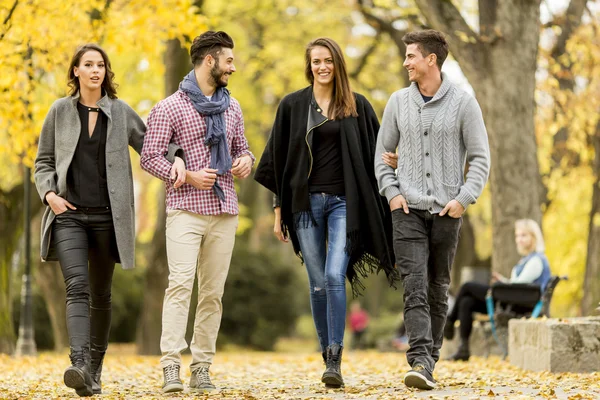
(383, 327)
(127, 297)
(260, 303)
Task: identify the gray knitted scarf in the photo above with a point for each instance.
(213, 110)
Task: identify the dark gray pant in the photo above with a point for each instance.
(87, 250)
(425, 245)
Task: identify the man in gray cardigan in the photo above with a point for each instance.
(436, 128)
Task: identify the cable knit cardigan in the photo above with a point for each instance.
(434, 141)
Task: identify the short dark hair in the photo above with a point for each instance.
(429, 41)
(210, 42)
(108, 84)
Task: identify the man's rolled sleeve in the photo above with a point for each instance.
(156, 144)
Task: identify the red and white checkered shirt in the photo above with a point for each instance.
(175, 119)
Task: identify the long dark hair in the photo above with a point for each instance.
(343, 103)
(108, 85)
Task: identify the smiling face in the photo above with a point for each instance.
(91, 70)
(418, 66)
(321, 65)
(222, 68)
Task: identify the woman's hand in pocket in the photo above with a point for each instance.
(58, 204)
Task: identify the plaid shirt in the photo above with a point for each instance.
(175, 119)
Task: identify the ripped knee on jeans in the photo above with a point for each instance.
(319, 290)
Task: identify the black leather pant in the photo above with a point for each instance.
(87, 250)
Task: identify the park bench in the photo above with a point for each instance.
(506, 301)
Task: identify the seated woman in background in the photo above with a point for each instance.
(532, 268)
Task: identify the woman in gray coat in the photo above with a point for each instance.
(83, 174)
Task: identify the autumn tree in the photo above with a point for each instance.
(24, 92)
(504, 85)
(591, 296)
(574, 66)
(567, 130)
(36, 43)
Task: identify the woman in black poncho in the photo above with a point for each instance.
(319, 164)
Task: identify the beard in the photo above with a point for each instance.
(216, 76)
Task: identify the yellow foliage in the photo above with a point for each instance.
(38, 39)
(565, 226)
(270, 38)
(480, 215)
(570, 183)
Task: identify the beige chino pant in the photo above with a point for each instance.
(200, 244)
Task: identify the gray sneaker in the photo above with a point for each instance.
(420, 378)
(200, 380)
(172, 381)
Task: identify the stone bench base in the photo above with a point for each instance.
(555, 345)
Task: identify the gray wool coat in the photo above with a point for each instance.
(57, 144)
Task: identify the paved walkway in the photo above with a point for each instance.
(253, 375)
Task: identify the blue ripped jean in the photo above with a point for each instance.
(323, 249)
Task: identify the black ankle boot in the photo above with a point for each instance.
(463, 353)
(96, 370)
(77, 376)
(333, 374)
(449, 330)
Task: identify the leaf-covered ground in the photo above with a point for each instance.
(254, 375)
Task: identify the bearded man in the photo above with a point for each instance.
(202, 213)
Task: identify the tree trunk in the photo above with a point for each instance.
(501, 68)
(11, 215)
(465, 253)
(591, 291)
(260, 209)
(509, 111)
(48, 277)
(150, 322)
(562, 156)
(7, 246)
(177, 65)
